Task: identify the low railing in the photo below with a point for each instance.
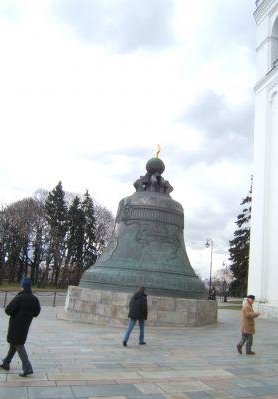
(46, 298)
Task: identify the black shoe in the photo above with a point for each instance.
(25, 373)
(239, 349)
(5, 366)
(124, 343)
(142, 343)
(250, 353)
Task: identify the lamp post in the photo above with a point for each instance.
(209, 244)
(224, 264)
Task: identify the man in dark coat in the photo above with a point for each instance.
(138, 310)
(21, 310)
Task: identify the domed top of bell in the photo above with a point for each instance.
(153, 181)
(155, 165)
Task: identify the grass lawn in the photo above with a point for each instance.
(16, 287)
(232, 304)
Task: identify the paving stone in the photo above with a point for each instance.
(247, 383)
(184, 373)
(267, 380)
(13, 393)
(97, 375)
(176, 396)
(28, 383)
(265, 390)
(108, 366)
(269, 397)
(81, 361)
(243, 370)
(224, 385)
(221, 395)
(33, 377)
(199, 395)
(240, 393)
(108, 397)
(123, 381)
(101, 382)
(176, 387)
(149, 388)
(70, 383)
(106, 390)
(50, 393)
(151, 396)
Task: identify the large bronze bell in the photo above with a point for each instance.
(147, 246)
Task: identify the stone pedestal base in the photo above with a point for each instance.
(107, 307)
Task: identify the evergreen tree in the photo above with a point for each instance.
(39, 235)
(52, 237)
(239, 249)
(75, 243)
(90, 226)
(56, 216)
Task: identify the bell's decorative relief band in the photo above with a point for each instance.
(133, 212)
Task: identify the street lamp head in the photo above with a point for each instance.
(209, 243)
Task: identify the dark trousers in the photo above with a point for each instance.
(248, 338)
(20, 349)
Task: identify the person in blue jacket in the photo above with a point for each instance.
(138, 310)
(21, 310)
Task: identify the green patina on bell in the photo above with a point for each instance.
(147, 246)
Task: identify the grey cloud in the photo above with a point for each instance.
(233, 24)
(228, 132)
(212, 114)
(239, 23)
(124, 25)
(206, 223)
(132, 152)
(218, 224)
(139, 156)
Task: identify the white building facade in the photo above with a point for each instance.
(263, 268)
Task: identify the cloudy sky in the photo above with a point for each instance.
(88, 88)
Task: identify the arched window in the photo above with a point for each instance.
(274, 47)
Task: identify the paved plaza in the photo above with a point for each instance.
(75, 360)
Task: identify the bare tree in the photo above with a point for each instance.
(222, 281)
(105, 225)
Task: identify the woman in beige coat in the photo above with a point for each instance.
(247, 326)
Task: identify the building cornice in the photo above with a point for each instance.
(269, 81)
(272, 84)
(267, 40)
(263, 9)
(275, 8)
